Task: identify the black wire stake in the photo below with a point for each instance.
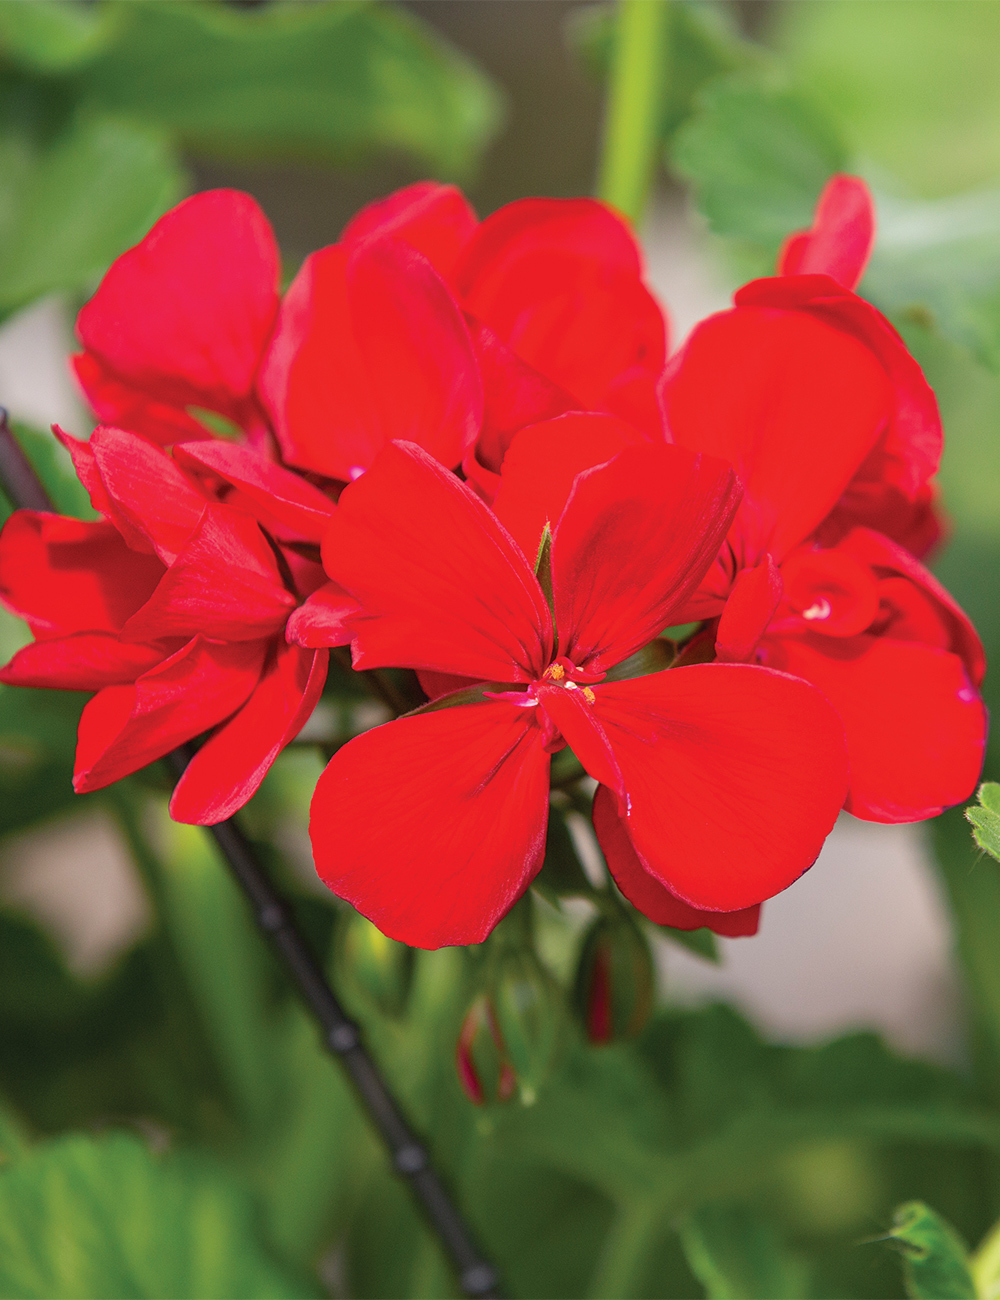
(341, 1036)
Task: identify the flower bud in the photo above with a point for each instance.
(480, 1058)
(528, 1008)
(614, 979)
(371, 967)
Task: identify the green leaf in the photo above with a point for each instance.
(702, 943)
(736, 1255)
(86, 1218)
(986, 818)
(225, 961)
(69, 208)
(935, 1259)
(941, 258)
(329, 80)
(913, 86)
(757, 154)
(54, 467)
(55, 35)
(37, 743)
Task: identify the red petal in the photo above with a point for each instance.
(434, 219)
(909, 447)
(916, 728)
(149, 496)
(541, 464)
(128, 407)
(755, 596)
(792, 402)
(735, 776)
(66, 575)
(841, 238)
(83, 661)
(647, 893)
(434, 685)
(224, 584)
(283, 495)
(575, 719)
(434, 825)
(325, 619)
(514, 396)
(833, 591)
(370, 347)
(442, 584)
(184, 316)
(125, 727)
(559, 281)
(635, 538)
(230, 766)
(888, 559)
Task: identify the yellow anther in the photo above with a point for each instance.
(589, 695)
(556, 672)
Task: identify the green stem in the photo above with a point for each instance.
(635, 88)
(635, 1230)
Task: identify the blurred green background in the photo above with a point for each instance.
(169, 1126)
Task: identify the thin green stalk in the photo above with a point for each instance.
(636, 1229)
(635, 90)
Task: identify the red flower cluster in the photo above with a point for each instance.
(771, 482)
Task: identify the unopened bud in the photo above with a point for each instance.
(480, 1057)
(614, 980)
(528, 1006)
(371, 966)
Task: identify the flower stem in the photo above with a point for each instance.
(632, 118)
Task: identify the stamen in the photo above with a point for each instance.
(572, 686)
(819, 609)
(589, 695)
(555, 672)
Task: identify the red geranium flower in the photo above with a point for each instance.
(173, 609)
(554, 295)
(725, 778)
(811, 395)
(419, 324)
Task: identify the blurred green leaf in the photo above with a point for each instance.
(53, 465)
(37, 744)
(736, 1255)
(87, 1218)
(330, 80)
(68, 208)
(702, 943)
(54, 35)
(757, 153)
(913, 86)
(225, 961)
(935, 1259)
(986, 818)
(941, 257)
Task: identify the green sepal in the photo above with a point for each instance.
(986, 818)
(935, 1258)
(371, 968)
